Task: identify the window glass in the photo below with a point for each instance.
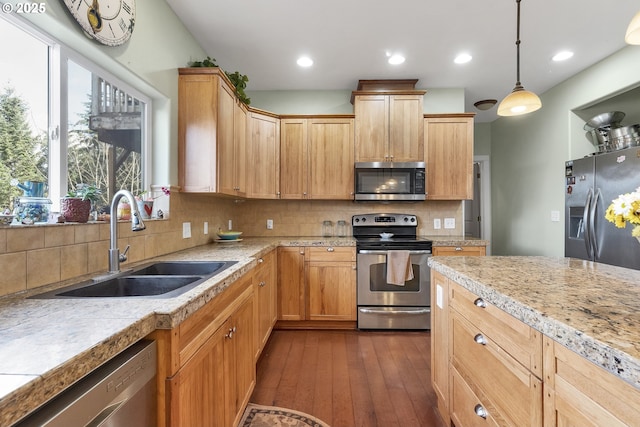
(24, 89)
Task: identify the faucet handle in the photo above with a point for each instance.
(123, 255)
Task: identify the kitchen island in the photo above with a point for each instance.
(564, 312)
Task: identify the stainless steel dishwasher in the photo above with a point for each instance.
(120, 393)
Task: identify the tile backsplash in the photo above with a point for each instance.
(33, 256)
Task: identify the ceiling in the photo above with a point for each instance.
(349, 41)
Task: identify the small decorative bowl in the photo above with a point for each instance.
(6, 219)
(386, 235)
(229, 235)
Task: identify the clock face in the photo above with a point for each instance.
(109, 22)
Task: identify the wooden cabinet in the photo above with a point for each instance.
(491, 370)
(263, 156)
(206, 366)
(440, 342)
(316, 284)
(316, 158)
(448, 141)
(265, 292)
(459, 251)
(388, 127)
(232, 170)
(581, 394)
(331, 283)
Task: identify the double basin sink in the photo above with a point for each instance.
(157, 280)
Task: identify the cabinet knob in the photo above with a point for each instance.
(480, 339)
(458, 248)
(262, 284)
(479, 302)
(330, 249)
(480, 411)
(260, 260)
(231, 332)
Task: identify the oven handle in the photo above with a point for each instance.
(379, 311)
(366, 251)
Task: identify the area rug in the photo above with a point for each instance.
(271, 416)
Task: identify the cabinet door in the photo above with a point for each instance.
(440, 341)
(197, 132)
(240, 362)
(331, 159)
(449, 157)
(331, 284)
(371, 128)
(291, 282)
(226, 142)
(195, 391)
(293, 159)
(240, 148)
(264, 157)
(459, 251)
(265, 311)
(406, 130)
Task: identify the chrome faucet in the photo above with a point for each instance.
(115, 258)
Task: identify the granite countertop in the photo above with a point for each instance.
(48, 344)
(591, 308)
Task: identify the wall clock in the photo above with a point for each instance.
(109, 22)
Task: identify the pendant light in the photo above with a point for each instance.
(519, 101)
(633, 31)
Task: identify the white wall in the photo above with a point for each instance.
(148, 62)
(528, 155)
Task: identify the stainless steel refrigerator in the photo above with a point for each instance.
(591, 183)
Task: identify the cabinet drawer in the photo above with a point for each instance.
(466, 408)
(509, 388)
(519, 340)
(331, 253)
(459, 251)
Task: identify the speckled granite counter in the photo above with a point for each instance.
(47, 345)
(457, 241)
(593, 309)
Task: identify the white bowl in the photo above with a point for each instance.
(386, 235)
(229, 235)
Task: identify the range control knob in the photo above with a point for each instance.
(413, 219)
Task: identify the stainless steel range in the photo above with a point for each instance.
(400, 304)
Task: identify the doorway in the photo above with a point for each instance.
(477, 211)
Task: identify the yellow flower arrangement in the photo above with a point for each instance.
(626, 209)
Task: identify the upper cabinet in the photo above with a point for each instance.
(263, 158)
(388, 121)
(316, 158)
(232, 170)
(448, 140)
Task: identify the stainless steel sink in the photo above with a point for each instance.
(157, 280)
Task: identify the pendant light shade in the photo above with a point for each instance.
(519, 101)
(633, 31)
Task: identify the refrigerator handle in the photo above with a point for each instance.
(592, 223)
(585, 224)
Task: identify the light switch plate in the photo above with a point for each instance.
(437, 224)
(186, 230)
(555, 216)
(206, 227)
(269, 224)
(449, 223)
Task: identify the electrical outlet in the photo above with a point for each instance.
(437, 224)
(206, 227)
(555, 216)
(449, 223)
(269, 224)
(186, 230)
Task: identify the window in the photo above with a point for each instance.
(64, 121)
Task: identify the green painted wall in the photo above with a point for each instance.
(528, 155)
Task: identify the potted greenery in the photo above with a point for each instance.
(238, 80)
(76, 205)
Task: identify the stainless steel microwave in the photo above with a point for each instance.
(390, 181)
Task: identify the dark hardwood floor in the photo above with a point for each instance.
(350, 378)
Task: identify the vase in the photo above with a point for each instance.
(145, 207)
(75, 210)
(124, 211)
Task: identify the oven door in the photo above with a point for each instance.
(373, 288)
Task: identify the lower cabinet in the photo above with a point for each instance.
(265, 307)
(206, 370)
(580, 394)
(316, 284)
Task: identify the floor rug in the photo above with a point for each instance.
(271, 416)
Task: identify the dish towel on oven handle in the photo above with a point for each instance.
(399, 268)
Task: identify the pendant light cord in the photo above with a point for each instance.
(518, 46)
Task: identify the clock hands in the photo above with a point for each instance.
(93, 15)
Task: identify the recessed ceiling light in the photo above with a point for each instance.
(396, 59)
(463, 58)
(304, 61)
(562, 56)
